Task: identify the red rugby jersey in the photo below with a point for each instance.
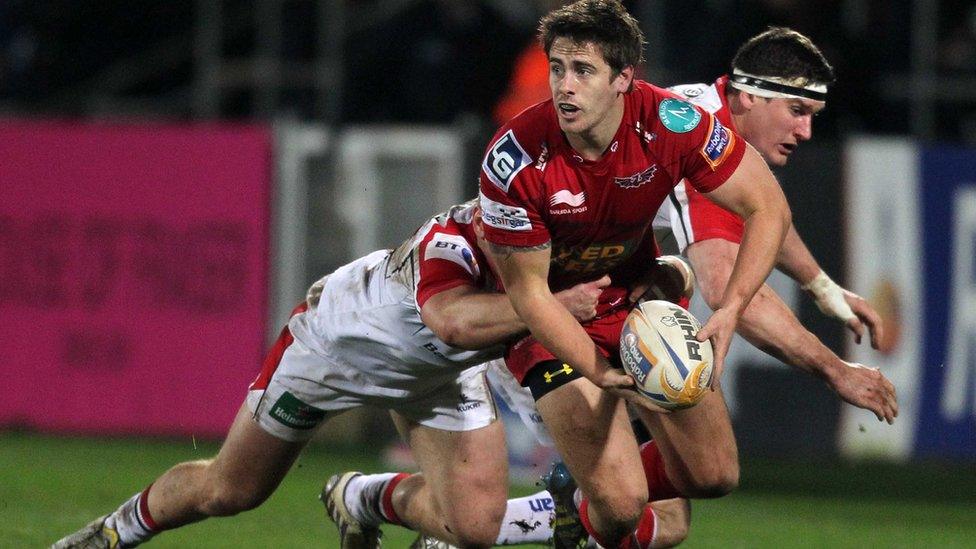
(535, 188)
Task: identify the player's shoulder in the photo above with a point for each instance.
(519, 143)
(663, 111)
(662, 106)
(531, 126)
(450, 236)
(703, 95)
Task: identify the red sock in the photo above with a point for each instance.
(386, 500)
(658, 484)
(640, 539)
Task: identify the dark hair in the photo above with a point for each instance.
(784, 53)
(604, 23)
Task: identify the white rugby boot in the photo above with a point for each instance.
(352, 533)
(95, 535)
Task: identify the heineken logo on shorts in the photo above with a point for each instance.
(678, 116)
(294, 413)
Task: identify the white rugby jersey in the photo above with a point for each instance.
(686, 213)
(365, 317)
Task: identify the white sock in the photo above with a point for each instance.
(527, 520)
(131, 522)
(363, 494)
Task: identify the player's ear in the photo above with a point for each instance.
(624, 79)
(747, 100)
(479, 229)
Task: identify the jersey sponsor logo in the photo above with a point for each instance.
(691, 92)
(453, 248)
(719, 144)
(292, 412)
(505, 160)
(500, 216)
(637, 179)
(593, 258)
(540, 163)
(678, 116)
(574, 202)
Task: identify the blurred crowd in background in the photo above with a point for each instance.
(445, 61)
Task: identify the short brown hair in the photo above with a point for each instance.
(604, 23)
(784, 53)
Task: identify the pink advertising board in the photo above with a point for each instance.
(133, 275)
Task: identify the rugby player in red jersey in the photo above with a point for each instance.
(778, 83)
(569, 189)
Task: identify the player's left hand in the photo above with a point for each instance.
(669, 278)
(864, 315)
(846, 306)
(866, 387)
(719, 329)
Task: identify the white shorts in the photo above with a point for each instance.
(519, 400)
(299, 388)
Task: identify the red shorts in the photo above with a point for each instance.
(605, 332)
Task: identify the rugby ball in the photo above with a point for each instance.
(659, 350)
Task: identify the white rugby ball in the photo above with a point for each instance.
(659, 350)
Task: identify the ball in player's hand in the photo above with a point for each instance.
(659, 350)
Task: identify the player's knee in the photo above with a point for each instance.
(714, 481)
(618, 513)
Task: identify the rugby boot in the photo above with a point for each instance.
(95, 535)
(424, 541)
(352, 533)
(567, 528)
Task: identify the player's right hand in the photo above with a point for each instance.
(581, 300)
(719, 329)
(619, 384)
(866, 387)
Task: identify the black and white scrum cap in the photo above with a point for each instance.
(776, 87)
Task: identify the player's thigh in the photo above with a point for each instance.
(698, 443)
(252, 461)
(466, 471)
(592, 432)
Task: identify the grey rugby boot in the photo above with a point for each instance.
(567, 529)
(352, 533)
(95, 535)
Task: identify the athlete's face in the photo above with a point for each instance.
(585, 90)
(775, 127)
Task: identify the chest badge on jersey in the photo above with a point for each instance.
(565, 202)
(678, 116)
(636, 180)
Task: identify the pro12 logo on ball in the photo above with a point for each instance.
(659, 350)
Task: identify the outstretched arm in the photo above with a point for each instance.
(753, 193)
(466, 317)
(769, 324)
(798, 263)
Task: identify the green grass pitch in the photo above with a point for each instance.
(50, 486)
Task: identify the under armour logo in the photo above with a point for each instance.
(566, 369)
